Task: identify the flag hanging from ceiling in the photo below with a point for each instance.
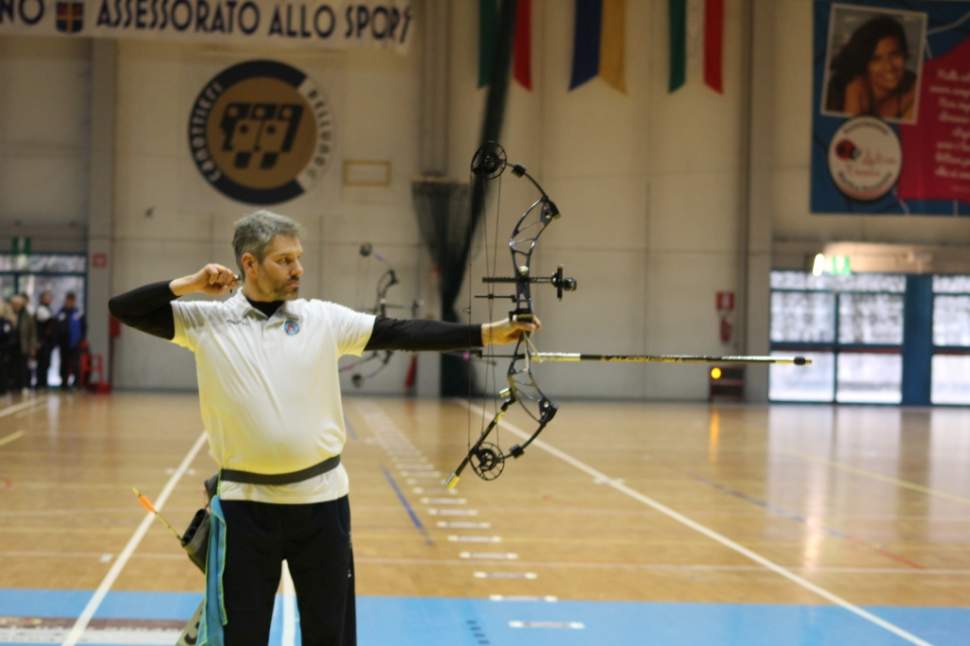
(487, 24)
(522, 51)
(522, 46)
(713, 43)
(598, 43)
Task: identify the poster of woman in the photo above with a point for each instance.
(891, 107)
(873, 63)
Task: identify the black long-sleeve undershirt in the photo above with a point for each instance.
(149, 309)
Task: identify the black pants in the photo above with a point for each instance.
(314, 540)
(20, 373)
(70, 365)
(43, 363)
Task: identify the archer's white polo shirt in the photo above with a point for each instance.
(269, 389)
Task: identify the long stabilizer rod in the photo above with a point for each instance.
(571, 357)
(577, 357)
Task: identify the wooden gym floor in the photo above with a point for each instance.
(629, 523)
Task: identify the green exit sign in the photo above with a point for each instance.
(20, 245)
(833, 265)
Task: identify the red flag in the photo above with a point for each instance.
(522, 54)
(714, 44)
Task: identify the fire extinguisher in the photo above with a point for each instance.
(725, 306)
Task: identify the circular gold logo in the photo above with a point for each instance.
(261, 132)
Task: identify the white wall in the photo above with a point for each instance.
(43, 141)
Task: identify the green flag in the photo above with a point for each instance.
(487, 24)
(678, 43)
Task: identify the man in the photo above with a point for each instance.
(270, 396)
(26, 346)
(8, 338)
(72, 329)
(46, 337)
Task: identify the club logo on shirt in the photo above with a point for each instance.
(261, 132)
(291, 327)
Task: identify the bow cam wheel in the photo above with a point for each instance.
(489, 161)
(488, 462)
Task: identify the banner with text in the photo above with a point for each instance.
(337, 24)
(891, 108)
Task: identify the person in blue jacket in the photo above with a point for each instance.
(73, 329)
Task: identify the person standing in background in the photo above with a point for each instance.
(46, 337)
(8, 338)
(26, 347)
(72, 329)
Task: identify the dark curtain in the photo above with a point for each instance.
(447, 217)
(445, 224)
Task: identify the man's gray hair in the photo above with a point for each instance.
(255, 231)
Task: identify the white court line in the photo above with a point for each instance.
(464, 524)
(710, 533)
(16, 435)
(289, 608)
(489, 556)
(905, 484)
(548, 625)
(10, 410)
(461, 538)
(644, 567)
(531, 576)
(109, 579)
(452, 512)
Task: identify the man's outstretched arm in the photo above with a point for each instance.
(419, 334)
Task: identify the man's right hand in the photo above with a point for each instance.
(213, 279)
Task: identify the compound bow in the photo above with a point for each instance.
(487, 458)
(385, 282)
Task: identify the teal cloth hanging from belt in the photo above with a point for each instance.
(214, 610)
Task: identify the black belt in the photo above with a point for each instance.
(231, 475)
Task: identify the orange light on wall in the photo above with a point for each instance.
(726, 382)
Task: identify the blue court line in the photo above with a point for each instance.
(434, 621)
(407, 507)
(790, 515)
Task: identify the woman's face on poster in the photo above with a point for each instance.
(886, 65)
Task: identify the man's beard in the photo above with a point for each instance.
(283, 292)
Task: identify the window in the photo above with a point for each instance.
(852, 329)
(950, 383)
